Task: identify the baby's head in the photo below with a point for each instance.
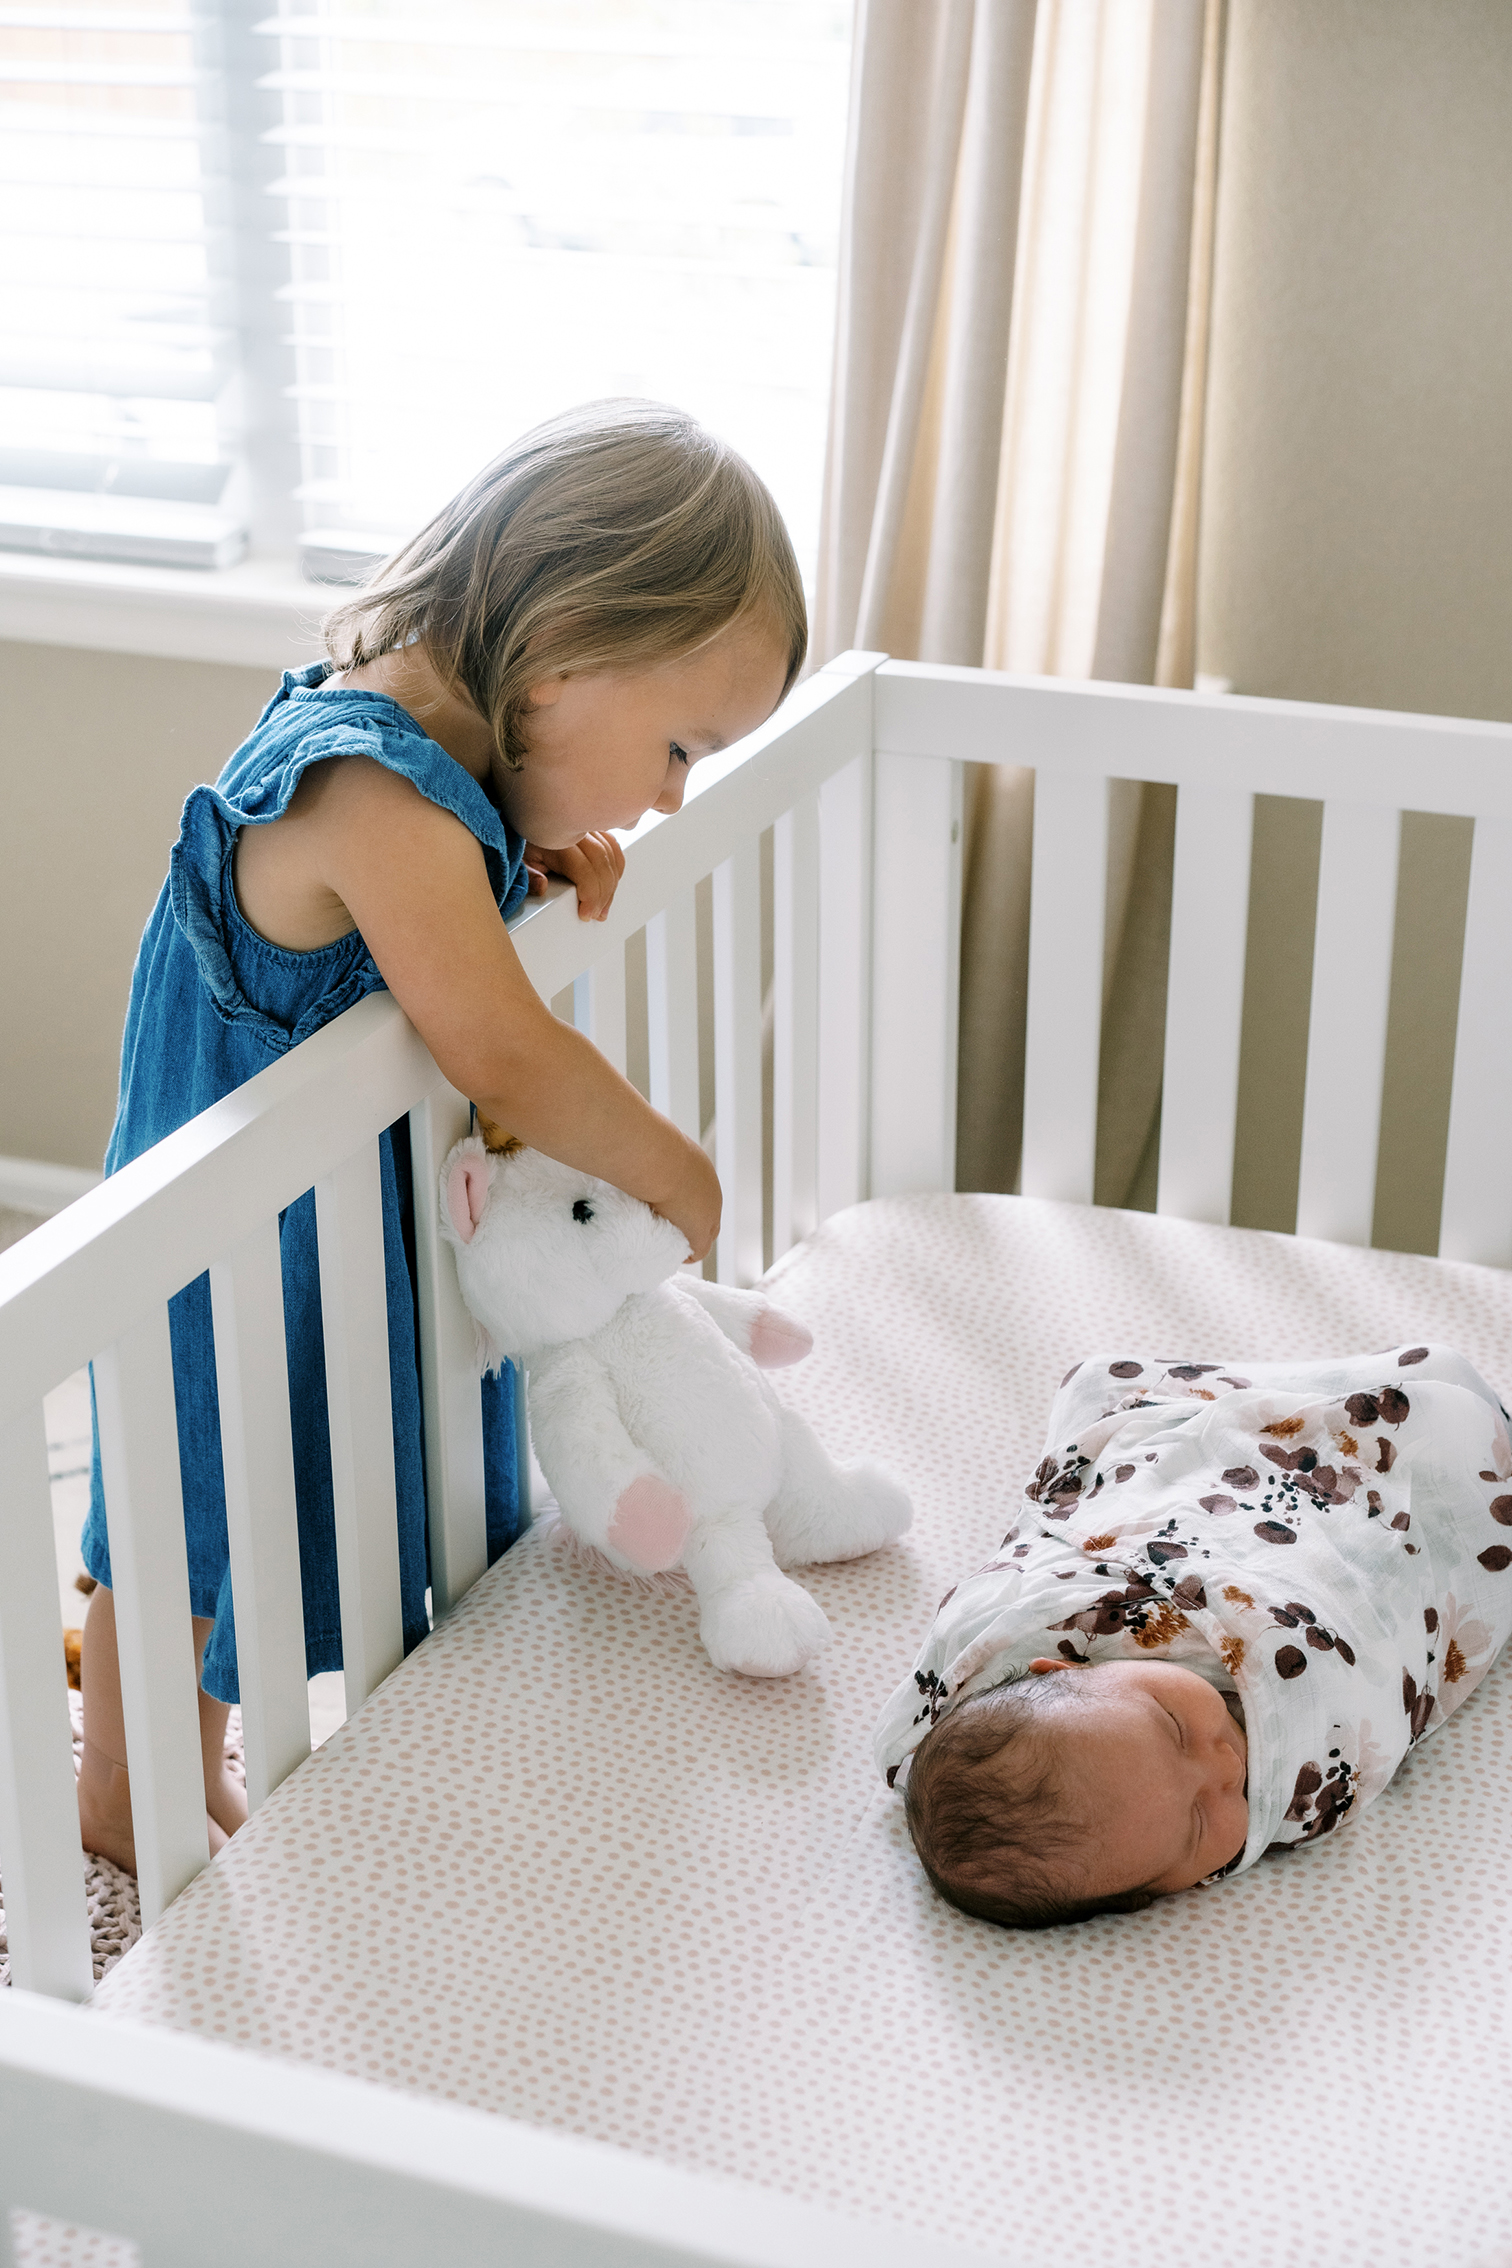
(615, 594)
(1079, 1790)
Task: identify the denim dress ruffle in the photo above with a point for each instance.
(212, 1004)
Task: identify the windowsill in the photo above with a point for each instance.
(261, 614)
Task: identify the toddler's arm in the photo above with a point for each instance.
(413, 880)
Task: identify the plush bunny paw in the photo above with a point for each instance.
(778, 1339)
(763, 1627)
(650, 1524)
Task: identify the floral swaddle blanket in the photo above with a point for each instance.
(1332, 1541)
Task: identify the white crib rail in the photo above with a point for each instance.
(1366, 767)
(859, 778)
(246, 1291)
(198, 2152)
(1477, 1216)
(93, 1284)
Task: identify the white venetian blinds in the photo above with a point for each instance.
(299, 272)
(117, 346)
(495, 208)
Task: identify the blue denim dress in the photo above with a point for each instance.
(212, 1003)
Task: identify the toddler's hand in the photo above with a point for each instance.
(593, 866)
(695, 1202)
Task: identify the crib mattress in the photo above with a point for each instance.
(558, 1867)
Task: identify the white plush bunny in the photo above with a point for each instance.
(663, 1443)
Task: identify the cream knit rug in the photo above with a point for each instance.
(115, 1918)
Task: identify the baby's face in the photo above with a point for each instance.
(1149, 1756)
(601, 750)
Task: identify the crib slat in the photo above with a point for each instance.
(672, 1012)
(1205, 1002)
(1063, 1034)
(737, 1061)
(262, 1523)
(795, 1024)
(452, 1405)
(1476, 1220)
(598, 1006)
(46, 1920)
(1346, 1031)
(349, 1228)
(916, 972)
(845, 831)
(149, 1571)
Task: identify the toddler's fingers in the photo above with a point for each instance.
(603, 864)
(574, 866)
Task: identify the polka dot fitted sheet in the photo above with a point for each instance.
(560, 1868)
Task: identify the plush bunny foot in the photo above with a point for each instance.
(650, 1524)
(823, 1511)
(764, 1626)
(778, 1340)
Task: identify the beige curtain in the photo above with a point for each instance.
(1015, 444)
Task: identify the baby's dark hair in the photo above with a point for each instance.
(989, 1840)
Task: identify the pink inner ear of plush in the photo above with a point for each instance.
(467, 1193)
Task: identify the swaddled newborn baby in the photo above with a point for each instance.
(1233, 1599)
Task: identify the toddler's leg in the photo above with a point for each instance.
(104, 1786)
(225, 1796)
(104, 1783)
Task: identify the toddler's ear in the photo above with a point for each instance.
(467, 1191)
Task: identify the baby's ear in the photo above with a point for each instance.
(467, 1180)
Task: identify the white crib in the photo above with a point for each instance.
(195, 2150)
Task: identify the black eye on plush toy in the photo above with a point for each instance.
(582, 1210)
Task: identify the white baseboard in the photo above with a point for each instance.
(31, 1185)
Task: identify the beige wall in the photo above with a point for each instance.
(96, 756)
(1357, 521)
(1357, 511)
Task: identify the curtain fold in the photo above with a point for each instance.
(1015, 445)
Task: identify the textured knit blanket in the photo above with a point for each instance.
(1331, 1540)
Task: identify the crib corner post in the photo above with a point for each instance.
(845, 950)
(45, 1912)
(916, 972)
(449, 1390)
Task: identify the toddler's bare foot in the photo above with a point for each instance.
(105, 1809)
(226, 1804)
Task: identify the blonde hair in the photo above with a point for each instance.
(616, 536)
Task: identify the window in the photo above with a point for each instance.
(116, 356)
(301, 273)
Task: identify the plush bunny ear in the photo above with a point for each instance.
(467, 1190)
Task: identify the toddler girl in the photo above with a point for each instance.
(608, 601)
(1232, 1601)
